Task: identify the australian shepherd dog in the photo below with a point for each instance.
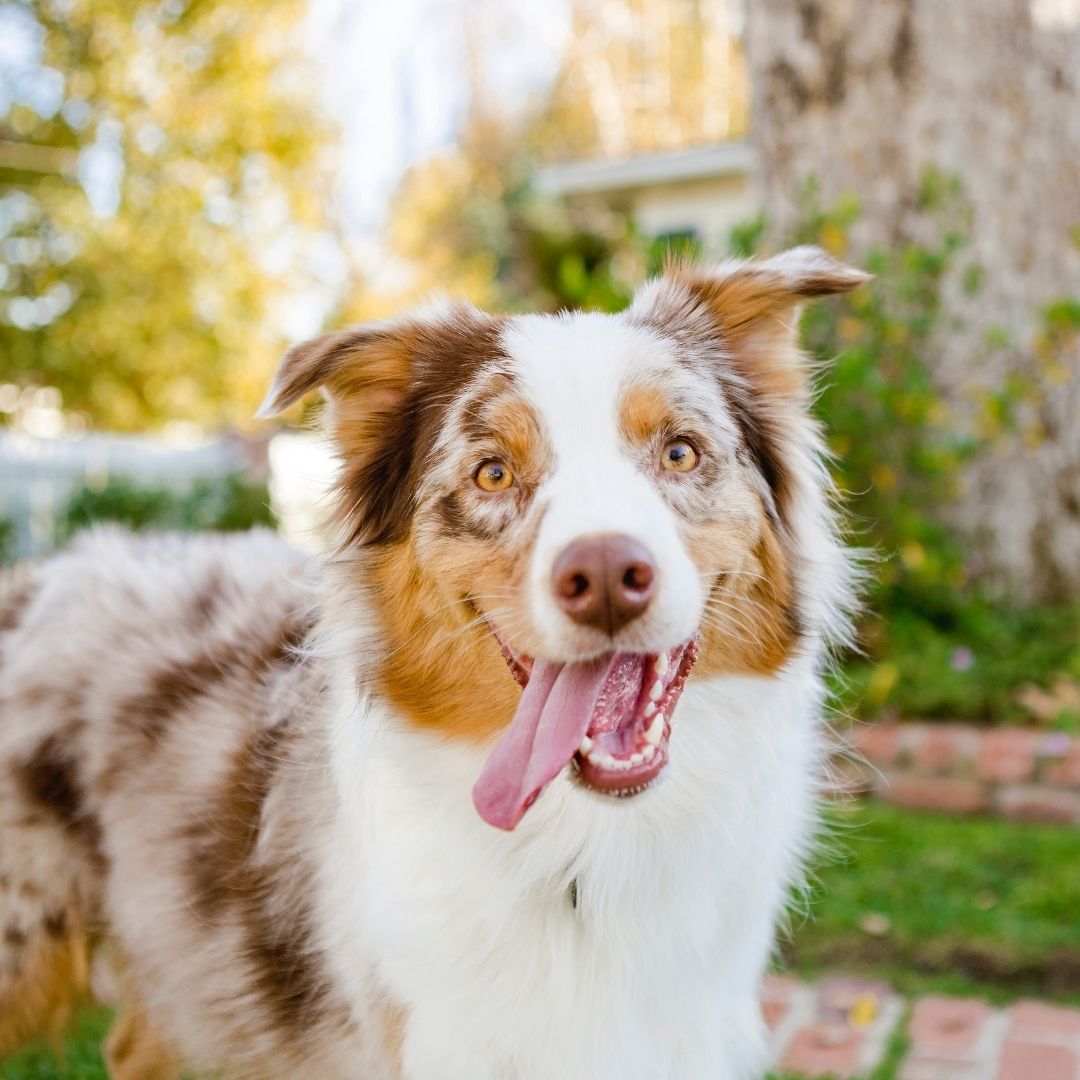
(514, 783)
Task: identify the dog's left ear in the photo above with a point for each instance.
(749, 306)
(741, 319)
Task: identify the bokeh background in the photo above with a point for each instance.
(188, 186)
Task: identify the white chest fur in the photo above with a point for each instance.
(653, 974)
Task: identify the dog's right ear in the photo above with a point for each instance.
(384, 384)
(371, 361)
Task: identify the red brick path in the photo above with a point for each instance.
(1018, 773)
(840, 1028)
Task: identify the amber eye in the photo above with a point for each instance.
(494, 476)
(679, 456)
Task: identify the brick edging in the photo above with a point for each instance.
(840, 1028)
(1016, 773)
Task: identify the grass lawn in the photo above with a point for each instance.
(946, 905)
(933, 904)
(80, 1059)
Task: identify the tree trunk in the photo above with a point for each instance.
(864, 96)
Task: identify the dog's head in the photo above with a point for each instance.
(607, 501)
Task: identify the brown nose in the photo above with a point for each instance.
(604, 581)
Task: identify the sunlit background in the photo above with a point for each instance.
(189, 186)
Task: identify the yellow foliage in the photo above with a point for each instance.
(664, 75)
(884, 476)
(177, 296)
(849, 328)
(881, 683)
(864, 1011)
(834, 239)
(913, 555)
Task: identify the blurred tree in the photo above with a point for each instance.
(468, 223)
(163, 191)
(862, 99)
(645, 76)
(639, 76)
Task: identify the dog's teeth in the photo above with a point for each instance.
(656, 691)
(655, 730)
(650, 709)
(586, 745)
(603, 760)
(660, 664)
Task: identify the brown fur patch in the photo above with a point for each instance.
(457, 521)
(643, 411)
(49, 779)
(50, 978)
(510, 421)
(229, 874)
(495, 422)
(389, 388)
(443, 667)
(205, 602)
(736, 326)
(749, 312)
(13, 606)
(759, 370)
(439, 670)
(392, 1019)
(751, 625)
(385, 450)
(176, 686)
(136, 1050)
(741, 322)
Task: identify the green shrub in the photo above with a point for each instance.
(937, 642)
(228, 503)
(7, 541)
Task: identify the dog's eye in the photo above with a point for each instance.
(494, 476)
(679, 456)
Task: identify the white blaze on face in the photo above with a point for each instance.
(573, 369)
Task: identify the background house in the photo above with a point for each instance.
(699, 194)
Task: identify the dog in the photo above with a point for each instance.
(515, 782)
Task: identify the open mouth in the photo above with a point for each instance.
(609, 716)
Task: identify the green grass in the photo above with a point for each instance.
(79, 1058)
(963, 906)
(969, 906)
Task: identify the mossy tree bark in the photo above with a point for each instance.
(865, 97)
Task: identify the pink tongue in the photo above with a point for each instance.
(551, 720)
